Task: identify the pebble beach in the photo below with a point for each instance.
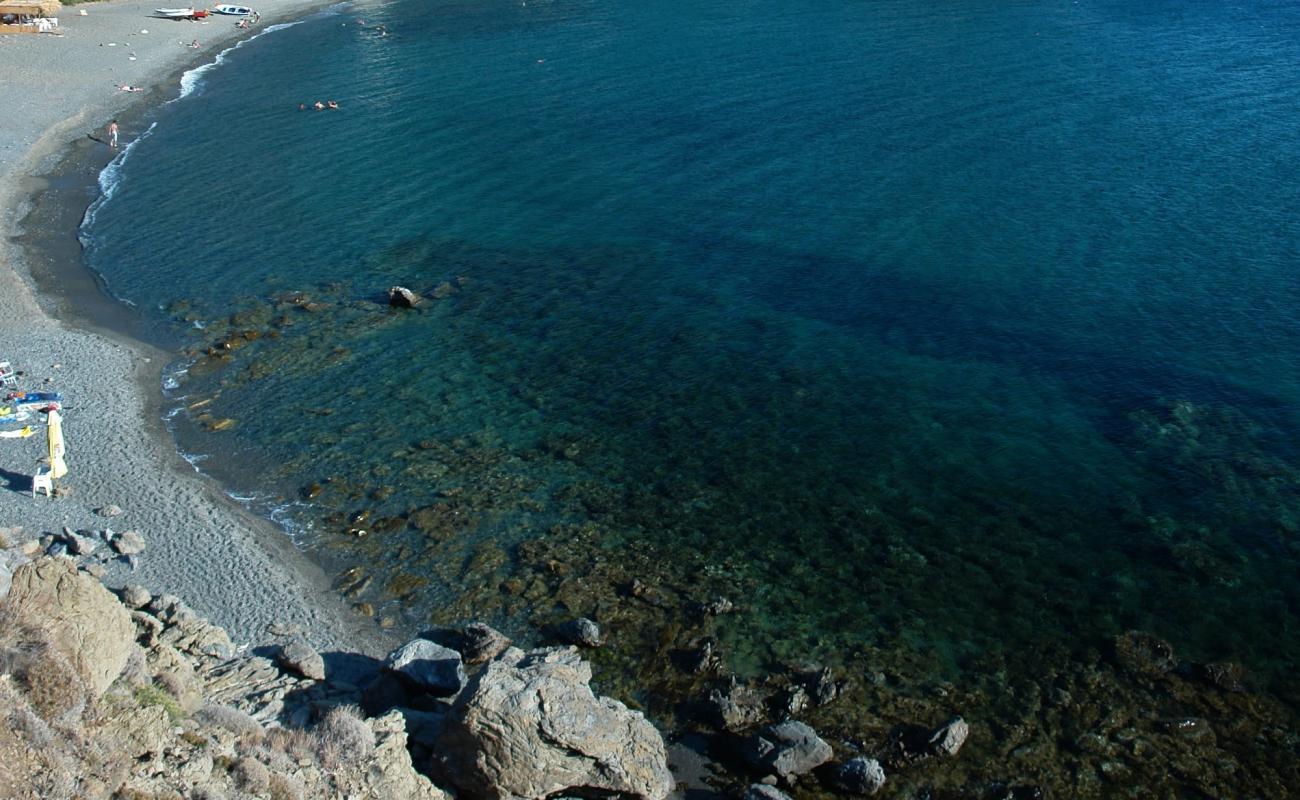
(234, 568)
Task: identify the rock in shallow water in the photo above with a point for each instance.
(480, 643)
(788, 749)
(761, 791)
(860, 775)
(582, 632)
(949, 738)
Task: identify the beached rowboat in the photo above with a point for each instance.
(174, 13)
(238, 11)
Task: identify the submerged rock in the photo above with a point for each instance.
(761, 791)
(1144, 654)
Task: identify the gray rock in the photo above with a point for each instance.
(402, 297)
(737, 708)
(300, 657)
(582, 632)
(482, 643)
(128, 543)
(57, 550)
(135, 596)
(528, 726)
(428, 666)
(860, 775)
(949, 738)
(761, 791)
(109, 510)
(80, 545)
(788, 748)
(94, 570)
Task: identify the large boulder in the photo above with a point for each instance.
(788, 749)
(528, 726)
(428, 666)
(85, 621)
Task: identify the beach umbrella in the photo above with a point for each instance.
(54, 431)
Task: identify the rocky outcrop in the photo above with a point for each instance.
(94, 631)
(528, 726)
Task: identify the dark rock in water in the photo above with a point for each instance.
(788, 749)
(480, 643)
(1229, 676)
(718, 606)
(647, 593)
(703, 659)
(860, 775)
(761, 791)
(738, 707)
(401, 297)
(906, 745)
(582, 632)
(1144, 654)
(428, 666)
(442, 290)
(949, 738)
(791, 702)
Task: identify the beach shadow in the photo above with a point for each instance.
(20, 482)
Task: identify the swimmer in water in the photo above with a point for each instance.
(331, 104)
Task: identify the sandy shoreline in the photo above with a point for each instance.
(233, 567)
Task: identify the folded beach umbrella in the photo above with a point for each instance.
(55, 433)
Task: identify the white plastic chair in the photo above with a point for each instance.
(43, 480)
(7, 376)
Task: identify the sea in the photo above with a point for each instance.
(969, 331)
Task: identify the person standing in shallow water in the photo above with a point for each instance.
(112, 133)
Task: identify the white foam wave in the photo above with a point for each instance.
(111, 177)
(192, 80)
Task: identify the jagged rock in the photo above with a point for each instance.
(402, 297)
(10, 560)
(788, 749)
(109, 510)
(79, 545)
(482, 643)
(392, 776)
(704, 658)
(174, 672)
(1144, 654)
(300, 657)
(582, 632)
(860, 775)
(87, 623)
(140, 732)
(528, 726)
(761, 791)
(148, 628)
(793, 701)
(738, 707)
(949, 738)
(429, 666)
(135, 596)
(128, 543)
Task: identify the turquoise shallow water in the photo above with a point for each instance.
(971, 328)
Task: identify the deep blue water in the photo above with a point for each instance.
(970, 326)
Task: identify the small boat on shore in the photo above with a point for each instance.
(180, 13)
(237, 11)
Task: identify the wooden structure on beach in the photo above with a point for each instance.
(39, 16)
